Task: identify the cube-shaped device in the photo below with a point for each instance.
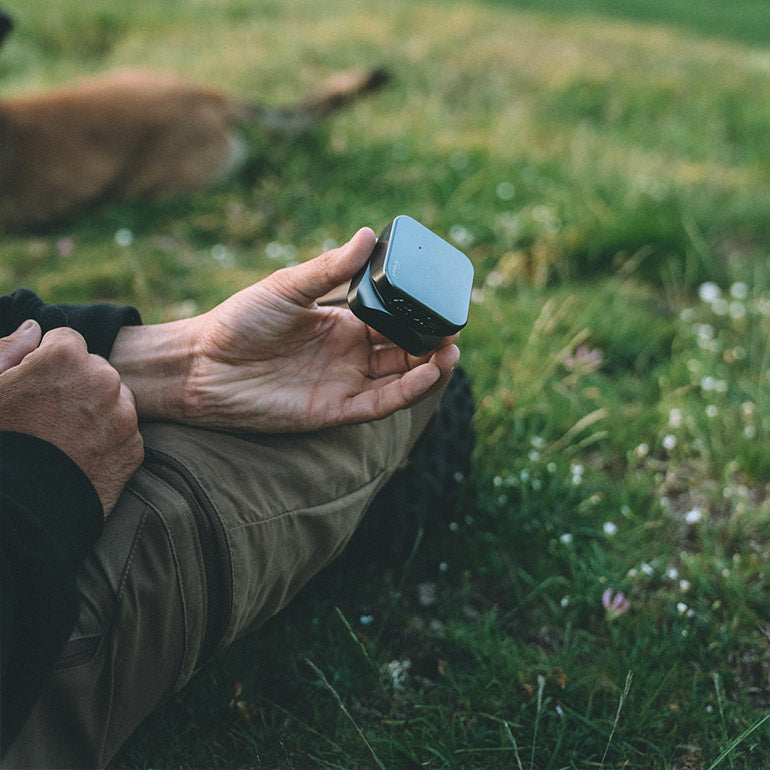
(415, 289)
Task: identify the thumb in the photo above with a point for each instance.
(311, 280)
(16, 346)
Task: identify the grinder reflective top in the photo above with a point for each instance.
(415, 289)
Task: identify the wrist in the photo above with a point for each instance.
(155, 362)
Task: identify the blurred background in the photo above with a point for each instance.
(606, 167)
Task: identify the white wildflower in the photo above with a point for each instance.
(461, 236)
(124, 237)
(704, 331)
(693, 516)
(427, 594)
(505, 191)
(719, 306)
(222, 254)
(709, 291)
(739, 290)
(399, 674)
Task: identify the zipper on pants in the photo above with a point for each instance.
(213, 543)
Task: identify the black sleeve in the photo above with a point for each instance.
(51, 517)
(99, 324)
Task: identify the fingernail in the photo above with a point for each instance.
(27, 326)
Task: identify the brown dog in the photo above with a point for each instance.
(135, 135)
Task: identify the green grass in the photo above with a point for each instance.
(600, 163)
(746, 21)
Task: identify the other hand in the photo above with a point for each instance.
(75, 400)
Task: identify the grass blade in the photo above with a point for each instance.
(515, 745)
(320, 674)
(623, 696)
(742, 737)
(540, 687)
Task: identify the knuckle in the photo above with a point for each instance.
(106, 376)
(125, 412)
(66, 345)
(64, 337)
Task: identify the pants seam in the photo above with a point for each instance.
(179, 680)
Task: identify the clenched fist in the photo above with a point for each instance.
(56, 390)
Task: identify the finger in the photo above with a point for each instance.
(389, 394)
(19, 344)
(446, 358)
(307, 282)
(390, 359)
(64, 335)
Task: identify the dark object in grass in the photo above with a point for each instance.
(421, 496)
(415, 289)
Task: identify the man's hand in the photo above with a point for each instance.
(271, 359)
(74, 400)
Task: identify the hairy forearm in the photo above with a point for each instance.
(154, 361)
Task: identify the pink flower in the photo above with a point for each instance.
(65, 246)
(584, 361)
(615, 604)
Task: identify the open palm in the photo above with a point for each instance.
(272, 359)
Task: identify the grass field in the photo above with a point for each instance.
(606, 166)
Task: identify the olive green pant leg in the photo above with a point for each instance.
(213, 535)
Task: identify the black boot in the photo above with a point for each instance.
(421, 496)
